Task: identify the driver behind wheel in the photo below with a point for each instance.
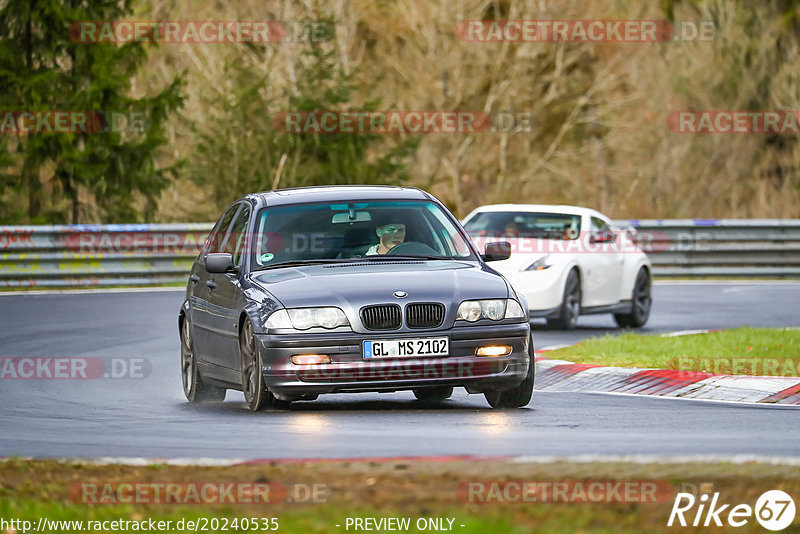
(391, 231)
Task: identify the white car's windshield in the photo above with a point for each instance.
(525, 225)
(342, 231)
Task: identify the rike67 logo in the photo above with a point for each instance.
(774, 510)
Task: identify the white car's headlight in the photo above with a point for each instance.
(305, 318)
(539, 265)
(494, 309)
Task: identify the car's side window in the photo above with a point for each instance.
(599, 225)
(238, 234)
(454, 240)
(214, 240)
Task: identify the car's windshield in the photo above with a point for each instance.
(509, 224)
(342, 231)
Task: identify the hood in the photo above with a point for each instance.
(353, 285)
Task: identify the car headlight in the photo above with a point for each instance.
(305, 318)
(494, 309)
(514, 310)
(539, 265)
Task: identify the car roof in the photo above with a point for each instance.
(547, 208)
(339, 193)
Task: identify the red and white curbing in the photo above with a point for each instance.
(560, 375)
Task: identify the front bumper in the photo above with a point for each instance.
(350, 372)
(544, 290)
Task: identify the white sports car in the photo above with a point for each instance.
(567, 261)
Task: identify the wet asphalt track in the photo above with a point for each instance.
(149, 417)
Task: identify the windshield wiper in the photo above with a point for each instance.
(392, 257)
(297, 263)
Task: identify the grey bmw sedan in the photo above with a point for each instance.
(342, 289)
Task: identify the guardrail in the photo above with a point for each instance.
(701, 248)
(97, 255)
(144, 254)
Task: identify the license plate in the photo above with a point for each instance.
(406, 348)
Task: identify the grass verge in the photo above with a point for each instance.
(34, 489)
(740, 351)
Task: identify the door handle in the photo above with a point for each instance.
(212, 284)
(194, 278)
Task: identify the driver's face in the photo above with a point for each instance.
(392, 235)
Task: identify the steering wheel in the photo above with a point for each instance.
(412, 248)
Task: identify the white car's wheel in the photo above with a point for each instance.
(570, 305)
(641, 301)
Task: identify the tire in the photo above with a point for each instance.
(193, 386)
(436, 394)
(641, 302)
(570, 305)
(256, 394)
(521, 395)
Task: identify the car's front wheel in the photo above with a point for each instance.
(570, 310)
(255, 389)
(641, 301)
(193, 386)
(519, 396)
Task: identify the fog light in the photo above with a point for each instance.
(310, 359)
(494, 350)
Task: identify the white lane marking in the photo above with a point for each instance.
(744, 288)
(554, 347)
(655, 459)
(681, 333)
(578, 458)
(94, 291)
(546, 364)
(725, 282)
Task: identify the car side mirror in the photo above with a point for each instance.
(497, 251)
(219, 262)
(602, 237)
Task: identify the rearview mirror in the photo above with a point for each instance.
(219, 262)
(360, 216)
(497, 251)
